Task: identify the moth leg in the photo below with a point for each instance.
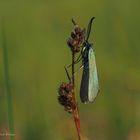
(76, 61)
(68, 75)
(78, 69)
(68, 66)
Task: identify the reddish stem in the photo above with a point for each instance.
(75, 109)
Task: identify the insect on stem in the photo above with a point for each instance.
(67, 90)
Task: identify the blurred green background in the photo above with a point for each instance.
(36, 33)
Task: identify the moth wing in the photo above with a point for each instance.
(84, 84)
(93, 76)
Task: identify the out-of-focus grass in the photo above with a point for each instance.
(7, 82)
(36, 41)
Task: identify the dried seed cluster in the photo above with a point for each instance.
(65, 96)
(76, 39)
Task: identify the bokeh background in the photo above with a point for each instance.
(36, 33)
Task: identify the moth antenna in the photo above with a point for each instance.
(89, 28)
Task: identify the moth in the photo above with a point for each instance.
(89, 83)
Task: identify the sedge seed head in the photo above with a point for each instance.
(65, 96)
(76, 39)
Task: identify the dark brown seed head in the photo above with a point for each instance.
(65, 96)
(76, 39)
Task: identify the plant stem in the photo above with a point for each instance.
(75, 110)
(7, 86)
